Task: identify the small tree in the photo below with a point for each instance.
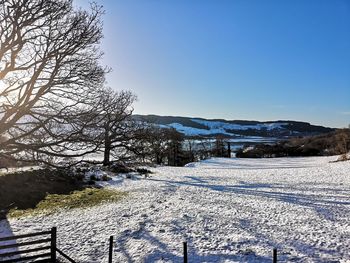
(174, 146)
(190, 145)
(155, 140)
(161, 145)
(219, 147)
(113, 124)
(342, 143)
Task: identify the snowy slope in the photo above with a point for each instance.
(190, 131)
(229, 210)
(217, 127)
(209, 127)
(230, 126)
(220, 128)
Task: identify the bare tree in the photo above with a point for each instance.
(113, 125)
(146, 144)
(342, 145)
(48, 72)
(156, 143)
(174, 146)
(219, 147)
(190, 146)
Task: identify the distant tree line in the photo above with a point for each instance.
(333, 143)
(170, 147)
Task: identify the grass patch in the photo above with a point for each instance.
(77, 199)
(25, 189)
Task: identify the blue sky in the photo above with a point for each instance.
(233, 59)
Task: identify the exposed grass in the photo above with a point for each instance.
(77, 199)
(25, 189)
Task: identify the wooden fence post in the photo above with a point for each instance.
(53, 244)
(229, 149)
(274, 255)
(185, 252)
(110, 249)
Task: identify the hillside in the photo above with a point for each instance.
(234, 128)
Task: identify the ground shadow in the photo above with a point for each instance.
(26, 189)
(327, 205)
(6, 231)
(324, 205)
(164, 252)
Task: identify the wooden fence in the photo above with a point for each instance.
(46, 252)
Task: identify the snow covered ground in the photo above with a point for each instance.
(219, 127)
(229, 210)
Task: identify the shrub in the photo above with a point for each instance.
(93, 178)
(343, 157)
(105, 178)
(79, 176)
(143, 171)
(120, 168)
(91, 182)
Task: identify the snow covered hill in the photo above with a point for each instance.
(204, 127)
(229, 210)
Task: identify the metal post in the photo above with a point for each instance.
(53, 244)
(185, 252)
(110, 249)
(274, 255)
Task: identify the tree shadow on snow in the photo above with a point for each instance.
(303, 251)
(165, 253)
(327, 206)
(322, 204)
(5, 231)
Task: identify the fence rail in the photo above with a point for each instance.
(65, 255)
(26, 235)
(48, 253)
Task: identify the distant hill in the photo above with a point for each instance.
(195, 127)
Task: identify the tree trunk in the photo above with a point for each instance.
(229, 149)
(106, 158)
(107, 150)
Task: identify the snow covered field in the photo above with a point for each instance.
(229, 210)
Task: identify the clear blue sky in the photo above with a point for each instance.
(233, 59)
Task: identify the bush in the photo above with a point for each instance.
(93, 178)
(79, 176)
(91, 182)
(343, 157)
(120, 168)
(143, 171)
(105, 178)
